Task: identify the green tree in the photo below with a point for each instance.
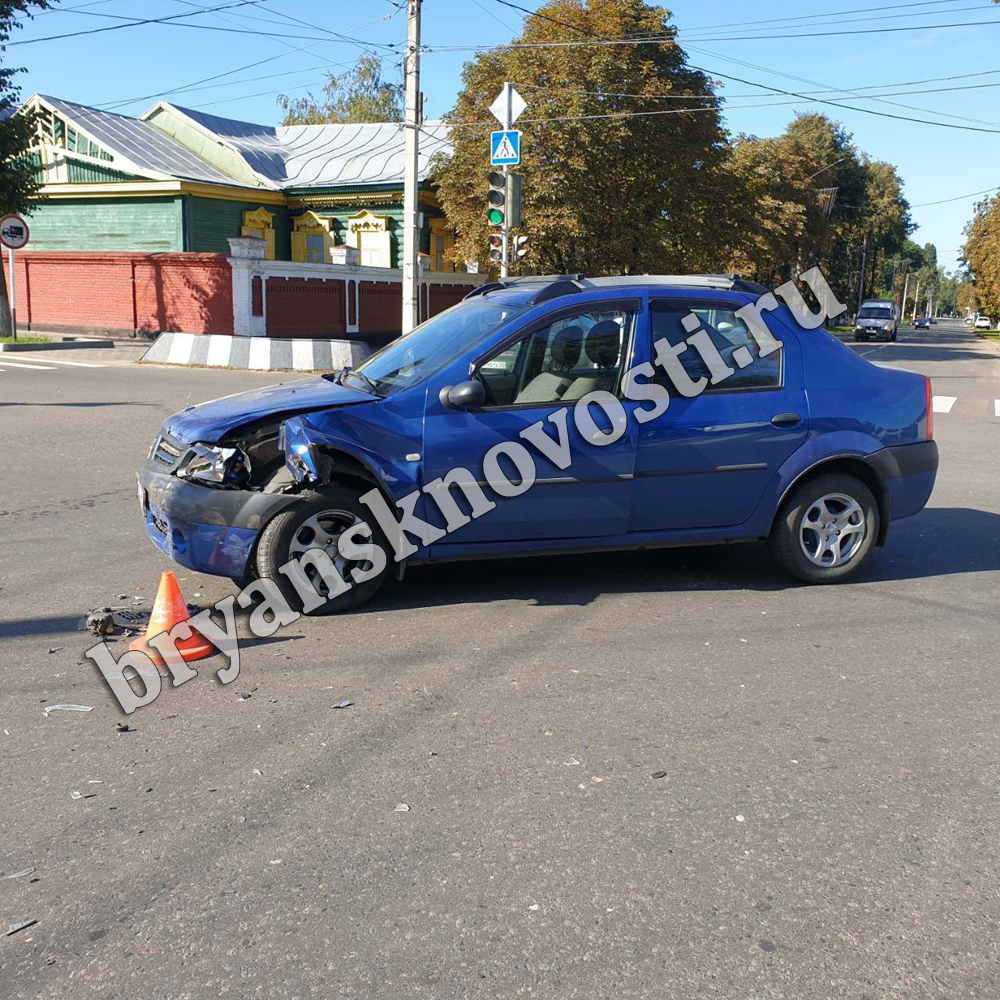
(809, 196)
(982, 254)
(19, 182)
(360, 95)
(605, 191)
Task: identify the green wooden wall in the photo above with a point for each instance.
(209, 222)
(142, 225)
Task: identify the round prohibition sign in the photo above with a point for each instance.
(13, 232)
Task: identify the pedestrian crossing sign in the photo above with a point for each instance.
(505, 148)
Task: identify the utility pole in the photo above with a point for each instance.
(505, 232)
(916, 298)
(861, 281)
(906, 288)
(411, 177)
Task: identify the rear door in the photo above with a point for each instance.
(705, 462)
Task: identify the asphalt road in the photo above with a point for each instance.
(826, 826)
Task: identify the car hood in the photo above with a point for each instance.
(211, 421)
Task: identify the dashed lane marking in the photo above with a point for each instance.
(996, 407)
(943, 404)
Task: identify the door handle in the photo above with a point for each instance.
(786, 420)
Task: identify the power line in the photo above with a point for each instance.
(961, 197)
(832, 13)
(172, 21)
(672, 38)
(859, 20)
(132, 22)
(818, 83)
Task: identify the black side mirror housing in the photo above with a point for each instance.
(465, 396)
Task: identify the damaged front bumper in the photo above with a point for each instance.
(209, 530)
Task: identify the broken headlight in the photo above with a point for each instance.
(216, 464)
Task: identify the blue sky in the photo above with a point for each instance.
(118, 69)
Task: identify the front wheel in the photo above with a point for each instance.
(826, 529)
(320, 522)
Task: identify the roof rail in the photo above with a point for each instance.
(551, 286)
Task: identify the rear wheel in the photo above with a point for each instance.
(319, 522)
(826, 529)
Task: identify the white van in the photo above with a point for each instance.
(877, 318)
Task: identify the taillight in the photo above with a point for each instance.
(930, 411)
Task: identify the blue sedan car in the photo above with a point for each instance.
(807, 446)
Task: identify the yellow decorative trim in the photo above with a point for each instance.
(358, 198)
(311, 224)
(259, 223)
(153, 189)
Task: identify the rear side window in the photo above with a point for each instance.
(727, 332)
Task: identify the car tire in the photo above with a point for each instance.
(836, 499)
(304, 526)
(857, 339)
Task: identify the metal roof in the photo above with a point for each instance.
(143, 144)
(294, 156)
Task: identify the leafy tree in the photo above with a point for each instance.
(359, 95)
(612, 193)
(982, 254)
(810, 197)
(19, 183)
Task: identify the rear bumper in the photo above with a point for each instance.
(208, 530)
(909, 472)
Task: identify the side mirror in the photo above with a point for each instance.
(464, 396)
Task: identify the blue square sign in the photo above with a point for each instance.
(505, 148)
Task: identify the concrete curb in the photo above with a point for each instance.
(57, 345)
(213, 350)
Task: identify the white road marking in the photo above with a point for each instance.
(24, 364)
(996, 407)
(943, 404)
(51, 361)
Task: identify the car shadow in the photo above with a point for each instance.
(940, 541)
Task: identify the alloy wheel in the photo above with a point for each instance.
(833, 528)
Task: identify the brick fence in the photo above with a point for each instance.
(124, 292)
(200, 293)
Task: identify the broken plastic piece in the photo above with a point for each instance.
(20, 874)
(124, 727)
(14, 928)
(67, 708)
(81, 795)
(658, 774)
(344, 704)
(401, 807)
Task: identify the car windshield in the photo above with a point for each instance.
(411, 359)
(875, 312)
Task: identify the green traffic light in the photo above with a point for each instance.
(495, 217)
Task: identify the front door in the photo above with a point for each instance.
(538, 376)
(706, 461)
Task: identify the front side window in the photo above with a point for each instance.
(412, 358)
(726, 331)
(562, 361)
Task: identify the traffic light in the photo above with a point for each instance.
(496, 248)
(504, 199)
(520, 248)
(496, 200)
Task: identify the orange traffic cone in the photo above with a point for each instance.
(168, 610)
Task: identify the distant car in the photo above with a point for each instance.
(811, 446)
(983, 323)
(969, 321)
(876, 319)
(921, 323)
